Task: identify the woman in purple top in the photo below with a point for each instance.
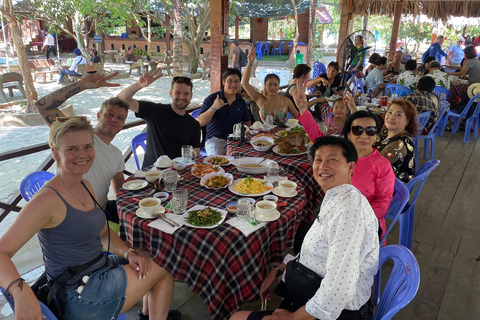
(72, 230)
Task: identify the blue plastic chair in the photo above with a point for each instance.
(138, 140)
(258, 51)
(422, 119)
(458, 116)
(391, 88)
(402, 284)
(266, 49)
(399, 200)
(468, 125)
(441, 93)
(328, 115)
(357, 85)
(33, 182)
(279, 49)
(195, 114)
(429, 138)
(407, 217)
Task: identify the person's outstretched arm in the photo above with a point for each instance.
(48, 106)
(144, 81)
(254, 94)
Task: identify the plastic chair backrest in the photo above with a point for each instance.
(402, 284)
(280, 46)
(358, 85)
(399, 200)
(419, 180)
(391, 88)
(422, 119)
(441, 93)
(477, 110)
(316, 69)
(33, 182)
(469, 105)
(138, 140)
(443, 109)
(195, 113)
(45, 311)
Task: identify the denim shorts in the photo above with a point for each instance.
(103, 295)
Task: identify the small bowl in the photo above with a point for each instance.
(262, 148)
(179, 166)
(153, 175)
(162, 196)
(150, 205)
(232, 207)
(265, 207)
(287, 187)
(253, 132)
(292, 122)
(270, 197)
(164, 162)
(266, 129)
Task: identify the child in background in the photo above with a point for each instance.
(336, 121)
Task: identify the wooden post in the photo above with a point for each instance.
(396, 26)
(343, 32)
(167, 32)
(219, 42)
(237, 26)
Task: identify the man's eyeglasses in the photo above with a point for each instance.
(233, 81)
(358, 130)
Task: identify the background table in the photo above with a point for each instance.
(221, 265)
(299, 166)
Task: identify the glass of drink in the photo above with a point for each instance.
(273, 172)
(269, 120)
(244, 207)
(170, 180)
(179, 200)
(188, 154)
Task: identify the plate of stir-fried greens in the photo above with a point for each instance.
(204, 217)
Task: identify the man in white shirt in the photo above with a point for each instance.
(50, 44)
(342, 245)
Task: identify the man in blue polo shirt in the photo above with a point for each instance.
(221, 111)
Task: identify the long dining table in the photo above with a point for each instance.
(222, 265)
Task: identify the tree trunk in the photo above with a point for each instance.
(77, 24)
(311, 32)
(177, 38)
(16, 33)
(295, 39)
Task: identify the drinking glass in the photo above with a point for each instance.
(394, 96)
(188, 154)
(170, 180)
(269, 120)
(244, 207)
(273, 172)
(179, 200)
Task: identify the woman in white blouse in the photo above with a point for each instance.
(342, 245)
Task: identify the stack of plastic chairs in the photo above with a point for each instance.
(402, 285)
(279, 49)
(458, 116)
(429, 144)
(399, 200)
(358, 85)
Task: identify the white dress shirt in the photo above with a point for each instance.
(49, 40)
(342, 246)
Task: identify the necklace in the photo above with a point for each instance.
(84, 202)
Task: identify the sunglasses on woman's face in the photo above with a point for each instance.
(358, 130)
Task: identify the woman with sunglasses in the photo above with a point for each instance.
(373, 174)
(395, 140)
(269, 102)
(72, 230)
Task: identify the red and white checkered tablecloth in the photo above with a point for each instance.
(221, 265)
(299, 166)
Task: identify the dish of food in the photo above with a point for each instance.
(250, 187)
(266, 134)
(293, 151)
(216, 180)
(204, 217)
(135, 184)
(218, 160)
(252, 165)
(293, 143)
(199, 170)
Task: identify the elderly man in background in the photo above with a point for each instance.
(455, 54)
(395, 67)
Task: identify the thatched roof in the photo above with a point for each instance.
(434, 9)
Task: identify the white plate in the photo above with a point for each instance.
(164, 166)
(180, 159)
(230, 187)
(276, 150)
(261, 217)
(204, 179)
(143, 215)
(276, 191)
(251, 170)
(135, 185)
(200, 207)
(205, 161)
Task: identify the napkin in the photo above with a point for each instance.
(139, 174)
(245, 227)
(165, 227)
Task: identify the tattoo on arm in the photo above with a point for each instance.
(55, 104)
(72, 92)
(51, 118)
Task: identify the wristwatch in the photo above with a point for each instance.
(125, 254)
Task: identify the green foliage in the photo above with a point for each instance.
(414, 32)
(140, 52)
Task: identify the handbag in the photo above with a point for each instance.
(302, 283)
